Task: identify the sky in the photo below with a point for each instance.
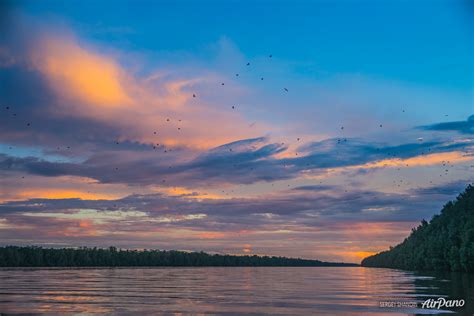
(315, 129)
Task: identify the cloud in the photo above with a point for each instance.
(308, 206)
(449, 189)
(346, 152)
(463, 127)
(243, 162)
(72, 115)
(74, 71)
(306, 219)
(315, 188)
(76, 86)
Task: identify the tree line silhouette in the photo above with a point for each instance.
(446, 243)
(13, 256)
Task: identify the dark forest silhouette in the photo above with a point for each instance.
(446, 243)
(13, 256)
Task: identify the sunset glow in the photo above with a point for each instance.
(136, 132)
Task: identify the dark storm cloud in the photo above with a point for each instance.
(463, 127)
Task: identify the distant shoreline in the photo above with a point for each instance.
(344, 265)
(38, 257)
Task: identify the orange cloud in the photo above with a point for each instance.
(82, 75)
(93, 85)
(81, 228)
(192, 194)
(371, 228)
(65, 194)
(422, 160)
(417, 161)
(61, 187)
(211, 235)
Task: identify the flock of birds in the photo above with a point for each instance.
(446, 165)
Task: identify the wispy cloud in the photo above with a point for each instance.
(463, 127)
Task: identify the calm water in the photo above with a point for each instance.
(229, 291)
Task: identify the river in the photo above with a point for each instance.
(230, 291)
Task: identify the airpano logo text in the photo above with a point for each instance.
(442, 302)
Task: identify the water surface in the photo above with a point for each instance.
(228, 291)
